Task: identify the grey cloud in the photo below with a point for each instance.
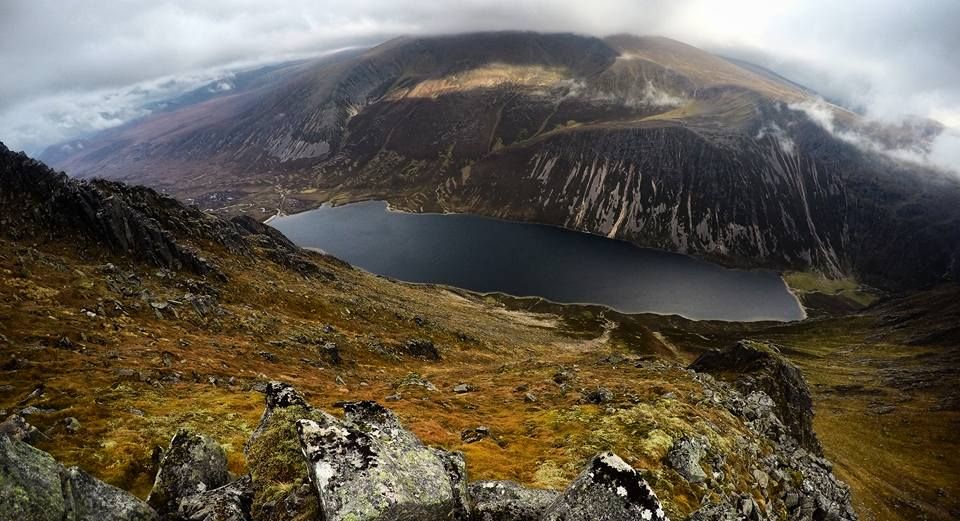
(74, 66)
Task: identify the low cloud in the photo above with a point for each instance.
(942, 151)
(73, 67)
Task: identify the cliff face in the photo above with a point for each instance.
(643, 139)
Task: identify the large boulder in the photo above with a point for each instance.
(756, 367)
(93, 500)
(193, 464)
(508, 501)
(230, 502)
(368, 467)
(34, 487)
(607, 489)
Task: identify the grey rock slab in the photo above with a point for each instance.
(34, 487)
(193, 464)
(509, 501)
(608, 489)
(684, 457)
(230, 502)
(368, 467)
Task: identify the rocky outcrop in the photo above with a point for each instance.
(793, 478)
(509, 501)
(40, 203)
(193, 464)
(759, 367)
(49, 204)
(607, 489)
(368, 467)
(34, 487)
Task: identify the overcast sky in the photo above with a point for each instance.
(70, 66)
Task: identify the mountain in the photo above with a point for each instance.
(140, 338)
(643, 139)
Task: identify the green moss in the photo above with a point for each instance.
(275, 460)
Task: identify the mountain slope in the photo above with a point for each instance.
(109, 351)
(643, 139)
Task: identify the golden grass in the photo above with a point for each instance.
(503, 347)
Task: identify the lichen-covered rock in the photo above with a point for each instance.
(607, 489)
(89, 499)
(684, 457)
(34, 487)
(193, 464)
(230, 502)
(759, 367)
(456, 468)
(368, 467)
(508, 501)
(29, 483)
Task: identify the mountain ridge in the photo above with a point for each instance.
(640, 138)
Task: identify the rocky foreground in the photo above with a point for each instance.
(305, 463)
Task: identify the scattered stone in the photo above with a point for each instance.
(711, 511)
(530, 398)
(35, 393)
(562, 377)
(422, 348)
(331, 353)
(268, 356)
(462, 388)
(32, 410)
(193, 464)
(607, 489)
(475, 435)
(684, 457)
(368, 467)
(508, 501)
(13, 364)
(761, 477)
(71, 425)
(415, 380)
(230, 502)
(599, 395)
(396, 397)
(18, 429)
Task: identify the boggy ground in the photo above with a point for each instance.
(121, 347)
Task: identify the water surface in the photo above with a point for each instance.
(524, 259)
